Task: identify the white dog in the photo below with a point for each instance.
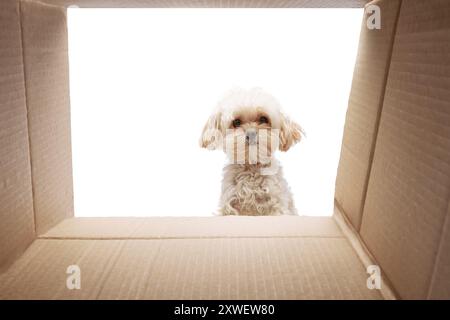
(249, 126)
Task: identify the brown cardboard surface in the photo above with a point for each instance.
(220, 268)
(387, 290)
(44, 34)
(440, 282)
(409, 186)
(194, 227)
(364, 107)
(16, 201)
(211, 3)
(49, 261)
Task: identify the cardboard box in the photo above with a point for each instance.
(392, 189)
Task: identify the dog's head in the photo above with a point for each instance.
(249, 126)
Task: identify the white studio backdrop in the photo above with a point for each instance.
(144, 81)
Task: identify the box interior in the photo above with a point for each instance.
(392, 189)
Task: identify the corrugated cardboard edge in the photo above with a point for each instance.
(362, 251)
(211, 3)
(199, 228)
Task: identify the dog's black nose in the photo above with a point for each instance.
(251, 137)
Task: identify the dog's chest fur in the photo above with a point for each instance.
(246, 191)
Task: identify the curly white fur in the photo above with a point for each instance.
(255, 185)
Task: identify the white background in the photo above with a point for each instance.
(143, 82)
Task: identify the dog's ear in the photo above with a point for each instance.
(212, 132)
(290, 133)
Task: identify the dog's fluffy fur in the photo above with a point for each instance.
(254, 185)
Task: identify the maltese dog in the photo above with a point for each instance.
(249, 127)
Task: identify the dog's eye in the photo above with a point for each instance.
(236, 123)
(263, 119)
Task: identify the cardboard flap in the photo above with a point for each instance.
(409, 186)
(16, 202)
(364, 109)
(226, 268)
(44, 32)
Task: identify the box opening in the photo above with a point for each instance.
(144, 81)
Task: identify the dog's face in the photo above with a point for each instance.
(249, 126)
